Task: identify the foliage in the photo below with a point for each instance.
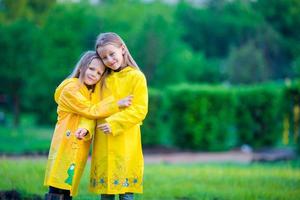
(33, 10)
(202, 117)
(20, 41)
(259, 114)
(284, 16)
(216, 28)
(241, 69)
(155, 128)
(216, 42)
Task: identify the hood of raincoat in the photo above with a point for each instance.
(60, 88)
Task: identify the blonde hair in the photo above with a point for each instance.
(115, 40)
(83, 64)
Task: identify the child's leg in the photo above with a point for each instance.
(53, 196)
(107, 197)
(126, 196)
(58, 194)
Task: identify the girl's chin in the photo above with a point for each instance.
(114, 67)
(89, 83)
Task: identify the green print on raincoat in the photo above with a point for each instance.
(70, 172)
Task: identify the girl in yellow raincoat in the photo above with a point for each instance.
(75, 98)
(117, 160)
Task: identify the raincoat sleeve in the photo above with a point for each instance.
(135, 113)
(89, 125)
(72, 100)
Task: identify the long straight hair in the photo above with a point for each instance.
(115, 40)
(83, 64)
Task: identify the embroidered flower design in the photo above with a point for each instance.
(116, 182)
(126, 183)
(102, 181)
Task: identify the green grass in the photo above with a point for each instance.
(279, 181)
(25, 140)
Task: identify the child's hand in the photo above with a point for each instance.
(105, 128)
(123, 103)
(80, 133)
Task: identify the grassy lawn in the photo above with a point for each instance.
(184, 182)
(24, 140)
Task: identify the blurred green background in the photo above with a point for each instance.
(220, 73)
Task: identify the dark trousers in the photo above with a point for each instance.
(56, 193)
(126, 196)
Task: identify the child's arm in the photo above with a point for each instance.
(87, 126)
(134, 114)
(72, 100)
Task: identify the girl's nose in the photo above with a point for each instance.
(94, 73)
(109, 59)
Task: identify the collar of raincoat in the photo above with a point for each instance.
(124, 71)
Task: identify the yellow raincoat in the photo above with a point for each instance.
(117, 159)
(68, 155)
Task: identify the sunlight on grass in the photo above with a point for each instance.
(165, 181)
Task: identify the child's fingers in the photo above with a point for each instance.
(104, 127)
(100, 126)
(80, 133)
(83, 133)
(78, 136)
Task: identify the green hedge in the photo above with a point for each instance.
(259, 114)
(155, 128)
(207, 117)
(202, 117)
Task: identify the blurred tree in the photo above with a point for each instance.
(284, 17)
(204, 70)
(12, 10)
(69, 30)
(34, 10)
(270, 42)
(246, 65)
(163, 56)
(159, 48)
(215, 4)
(171, 43)
(127, 24)
(19, 60)
(214, 29)
(296, 67)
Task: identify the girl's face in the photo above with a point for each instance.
(93, 72)
(111, 56)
